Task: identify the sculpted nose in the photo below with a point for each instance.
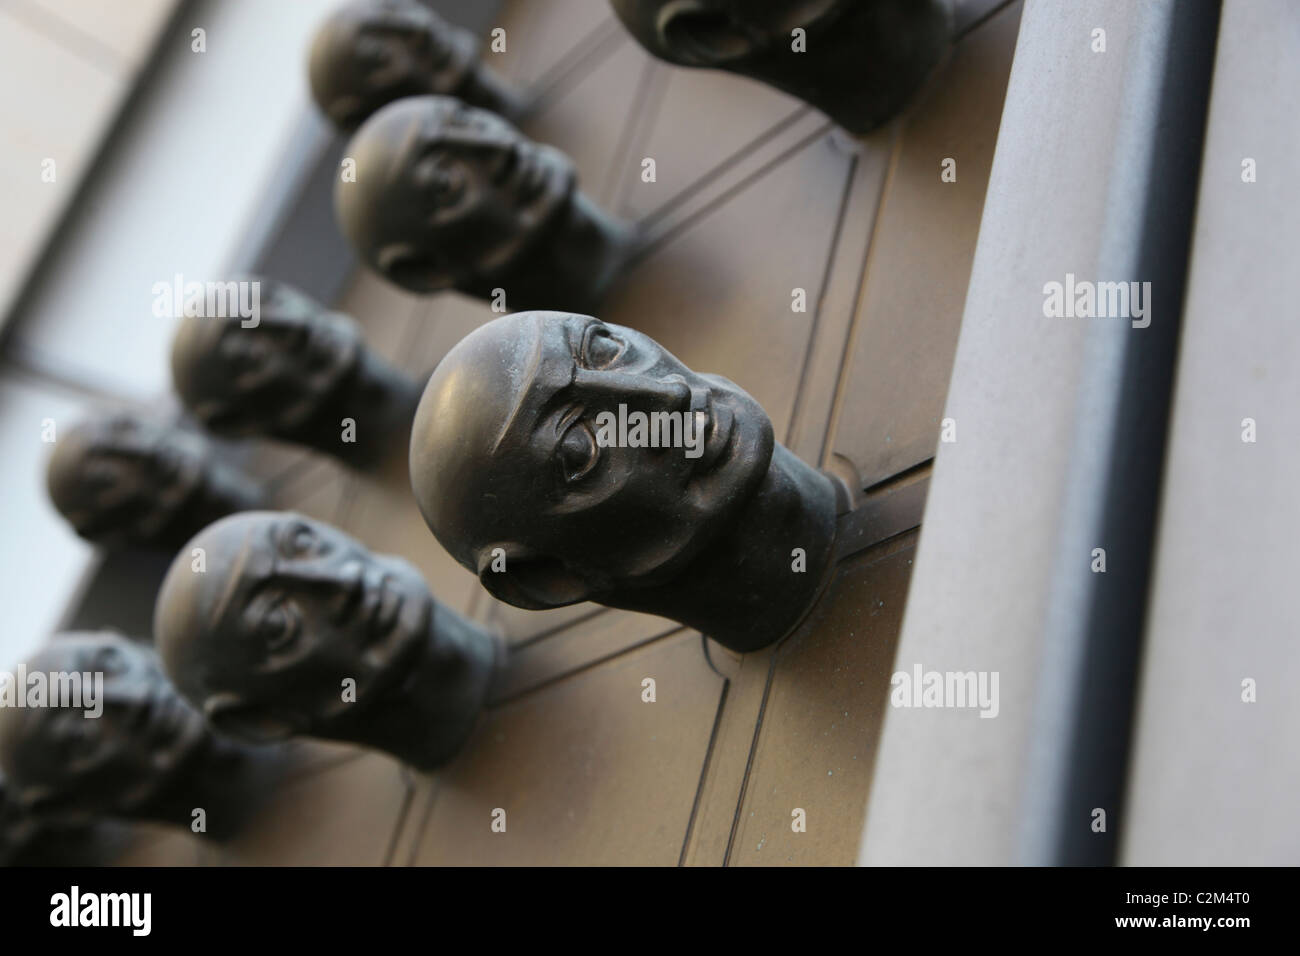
(480, 142)
(322, 574)
(638, 392)
(339, 585)
(701, 34)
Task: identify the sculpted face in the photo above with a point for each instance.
(65, 764)
(371, 52)
(447, 195)
(269, 377)
(728, 34)
(505, 453)
(123, 478)
(286, 609)
(860, 59)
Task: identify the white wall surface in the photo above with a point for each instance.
(1214, 778)
(177, 194)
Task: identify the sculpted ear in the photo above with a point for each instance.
(234, 718)
(533, 582)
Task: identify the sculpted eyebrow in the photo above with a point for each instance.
(570, 413)
(580, 346)
(236, 576)
(259, 601)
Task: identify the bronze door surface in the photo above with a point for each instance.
(758, 201)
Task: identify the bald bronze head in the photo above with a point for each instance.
(448, 195)
(563, 459)
(272, 378)
(370, 52)
(122, 479)
(858, 61)
(65, 764)
(302, 374)
(294, 628)
(506, 459)
(451, 197)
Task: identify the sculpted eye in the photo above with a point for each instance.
(372, 51)
(601, 348)
(278, 628)
(246, 355)
(101, 474)
(578, 452)
(108, 660)
(443, 181)
(241, 345)
(297, 541)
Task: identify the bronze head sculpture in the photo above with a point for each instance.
(451, 197)
(148, 755)
(299, 375)
(524, 470)
(371, 52)
(295, 628)
(859, 60)
(125, 480)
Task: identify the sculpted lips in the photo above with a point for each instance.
(719, 428)
(368, 598)
(385, 603)
(522, 173)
